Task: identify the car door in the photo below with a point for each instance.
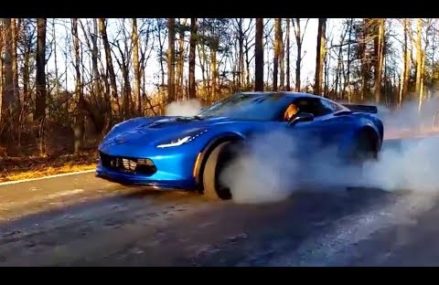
(335, 125)
(312, 133)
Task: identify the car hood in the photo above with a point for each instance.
(155, 130)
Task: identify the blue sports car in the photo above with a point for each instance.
(188, 152)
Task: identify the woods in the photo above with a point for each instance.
(66, 82)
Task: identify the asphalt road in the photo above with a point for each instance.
(80, 220)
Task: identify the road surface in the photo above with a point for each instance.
(80, 220)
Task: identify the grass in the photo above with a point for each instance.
(18, 168)
(38, 173)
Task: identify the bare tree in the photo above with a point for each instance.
(259, 55)
(192, 56)
(8, 98)
(379, 59)
(136, 65)
(406, 64)
(419, 62)
(320, 55)
(281, 59)
(180, 58)
(299, 34)
(123, 61)
(79, 111)
(240, 36)
(40, 103)
(15, 27)
(171, 60)
(277, 51)
(347, 75)
(288, 87)
(109, 61)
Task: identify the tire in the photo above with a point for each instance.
(218, 158)
(365, 148)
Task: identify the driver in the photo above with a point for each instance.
(290, 112)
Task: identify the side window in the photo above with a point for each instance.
(314, 106)
(330, 105)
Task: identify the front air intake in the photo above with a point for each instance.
(144, 166)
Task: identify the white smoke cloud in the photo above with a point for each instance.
(263, 173)
(185, 108)
(408, 121)
(270, 171)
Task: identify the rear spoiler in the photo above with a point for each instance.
(362, 108)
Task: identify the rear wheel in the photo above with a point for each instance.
(215, 164)
(365, 149)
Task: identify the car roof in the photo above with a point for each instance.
(281, 93)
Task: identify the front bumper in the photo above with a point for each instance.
(174, 171)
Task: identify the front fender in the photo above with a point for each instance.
(208, 148)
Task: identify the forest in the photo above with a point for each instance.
(66, 82)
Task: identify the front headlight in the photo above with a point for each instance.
(181, 140)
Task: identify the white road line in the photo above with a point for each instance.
(46, 177)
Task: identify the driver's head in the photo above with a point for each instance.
(290, 112)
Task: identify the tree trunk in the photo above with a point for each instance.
(379, 60)
(240, 54)
(40, 82)
(281, 60)
(259, 55)
(171, 60)
(348, 67)
(40, 103)
(326, 65)
(340, 68)
(79, 112)
(277, 50)
(136, 65)
(94, 61)
(299, 41)
(161, 52)
(16, 26)
(1, 72)
(202, 57)
(320, 55)
(365, 66)
(109, 61)
(192, 56)
(180, 63)
(288, 87)
(406, 67)
(8, 98)
(419, 62)
(126, 88)
(247, 66)
(57, 81)
(214, 70)
(104, 96)
(298, 63)
(26, 71)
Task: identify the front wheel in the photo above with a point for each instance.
(217, 160)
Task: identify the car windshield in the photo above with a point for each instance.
(247, 107)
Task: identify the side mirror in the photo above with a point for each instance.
(301, 117)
